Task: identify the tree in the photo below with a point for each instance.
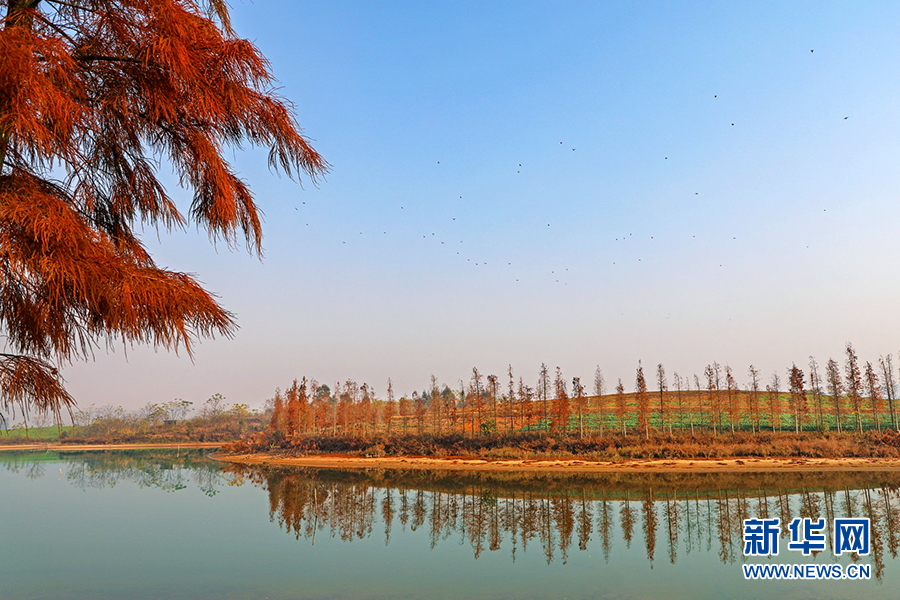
(598, 392)
(621, 407)
(815, 382)
(580, 403)
(798, 396)
(434, 398)
(511, 401)
(476, 398)
(390, 407)
(419, 409)
(526, 399)
(643, 401)
(754, 397)
(712, 394)
(854, 384)
(699, 403)
(734, 405)
(560, 404)
(404, 411)
(873, 388)
(835, 388)
(448, 398)
(292, 410)
(178, 409)
(678, 391)
(303, 402)
(543, 391)
(492, 391)
(887, 374)
(774, 401)
(92, 93)
(214, 407)
(663, 387)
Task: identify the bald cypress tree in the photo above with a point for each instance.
(774, 396)
(561, 407)
(854, 384)
(543, 390)
(798, 396)
(599, 384)
(643, 401)
(754, 398)
(835, 389)
(580, 402)
(292, 411)
(873, 389)
(679, 391)
(734, 403)
(511, 402)
(390, 407)
(621, 406)
(887, 375)
(663, 386)
(93, 93)
(815, 383)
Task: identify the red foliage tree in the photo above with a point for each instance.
(292, 410)
(91, 92)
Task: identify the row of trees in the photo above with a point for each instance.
(852, 396)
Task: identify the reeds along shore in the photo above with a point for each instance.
(797, 415)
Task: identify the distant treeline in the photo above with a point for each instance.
(173, 421)
(854, 396)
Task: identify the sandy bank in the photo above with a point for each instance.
(80, 447)
(573, 465)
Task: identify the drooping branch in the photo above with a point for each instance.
(28, 383)
(99, 89)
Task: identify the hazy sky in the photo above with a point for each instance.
(578, 184)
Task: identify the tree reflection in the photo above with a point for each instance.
(490, 512)
(169, 470)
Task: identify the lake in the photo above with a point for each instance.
(160, 524)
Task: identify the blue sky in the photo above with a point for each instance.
(578, 184)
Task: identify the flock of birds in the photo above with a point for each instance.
(555, 274)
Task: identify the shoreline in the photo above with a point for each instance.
(77, 447)
(570, 465)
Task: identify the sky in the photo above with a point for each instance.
(576, 184)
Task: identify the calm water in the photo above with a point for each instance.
(160, 524)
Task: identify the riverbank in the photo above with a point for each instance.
(83, 447)
(569, 465)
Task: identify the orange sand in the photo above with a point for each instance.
(571, 465)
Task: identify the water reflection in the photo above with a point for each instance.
(167, 469)
(672, 513)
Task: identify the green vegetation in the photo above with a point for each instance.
(39, 434)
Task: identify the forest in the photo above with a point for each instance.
(844, 409)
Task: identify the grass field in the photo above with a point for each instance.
(37, 434)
